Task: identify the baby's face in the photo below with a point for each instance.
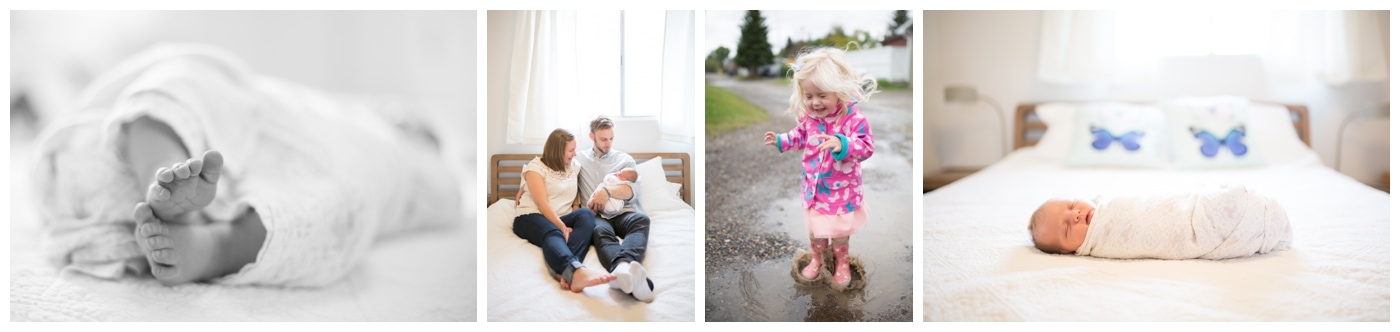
(627, 174)
(1061, 224)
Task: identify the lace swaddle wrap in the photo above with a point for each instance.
(1226, 222)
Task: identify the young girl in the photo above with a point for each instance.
(834, 138)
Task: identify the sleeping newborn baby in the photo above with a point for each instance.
(621, 177)
(1225, 222)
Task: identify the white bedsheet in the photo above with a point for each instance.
(519, 287)
(422, 276)
(980, 264)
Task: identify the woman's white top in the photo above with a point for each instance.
(561, 188)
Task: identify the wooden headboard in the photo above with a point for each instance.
(505, 173)
(1029, 127)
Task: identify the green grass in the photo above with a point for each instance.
(889, 86)
(725, 111)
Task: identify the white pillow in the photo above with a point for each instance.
(1117, 134)
(1058, 118)
(1212, 132)
(1277, 138)
(501, 214)
(657, 194)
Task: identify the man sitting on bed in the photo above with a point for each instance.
(624, 257)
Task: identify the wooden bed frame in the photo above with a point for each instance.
(505, 173)
(1029, 127)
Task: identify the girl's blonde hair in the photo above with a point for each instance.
(827, 68)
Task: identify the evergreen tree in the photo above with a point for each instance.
(900, 17)
(753, 51)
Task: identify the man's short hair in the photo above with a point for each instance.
(602, 122)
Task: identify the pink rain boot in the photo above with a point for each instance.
(814, 267)
(843, 266)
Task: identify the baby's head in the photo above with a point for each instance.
(823, 83)
(1059, 225)
(627, 174)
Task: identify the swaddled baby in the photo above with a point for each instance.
(1216, 223)
(613, 208)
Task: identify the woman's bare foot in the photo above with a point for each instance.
(185, 187)
(586, 277)
(181, 253)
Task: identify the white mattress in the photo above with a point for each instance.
(980, 264)
(519, 286)
(424, 276)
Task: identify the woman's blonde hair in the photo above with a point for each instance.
(827, 68)
(554, 150)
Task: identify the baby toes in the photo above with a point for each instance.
(163, 272)
(182, 170)
(159, 241)
(195, 165)
(164, 256)
(144, 219)
(164, 175)
(157, 193)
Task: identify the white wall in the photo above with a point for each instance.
(634, 134)
(888, 63)
(996, 51)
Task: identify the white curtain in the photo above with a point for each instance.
(1332, 47)
(558, 81)
(1124, 47)
(677, 114)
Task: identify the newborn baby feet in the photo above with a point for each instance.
(177, 253)
(185, 187)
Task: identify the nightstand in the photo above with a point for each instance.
(947, 176)
(1385, 181)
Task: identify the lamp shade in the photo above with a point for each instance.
(959, 94)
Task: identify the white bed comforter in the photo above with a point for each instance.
(519, 287)
(980, 264)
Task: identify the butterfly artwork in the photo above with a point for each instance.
(1131, 141)
(1210, 144)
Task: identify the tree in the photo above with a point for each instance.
(753, 51)
(721, 54)
(900, 17)
(715, 61)
(858, 40)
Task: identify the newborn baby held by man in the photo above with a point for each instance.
(1228, 221)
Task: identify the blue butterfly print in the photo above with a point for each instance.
(1132, 140)
(1210, 145)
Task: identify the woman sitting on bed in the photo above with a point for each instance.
(546, 215)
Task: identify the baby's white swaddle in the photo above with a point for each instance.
(326, 176)
(613, 207)
(1226, 222)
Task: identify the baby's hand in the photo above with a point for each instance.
(829, 143)
(770, 139)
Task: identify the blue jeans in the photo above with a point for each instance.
(561, 256)
(634, 228)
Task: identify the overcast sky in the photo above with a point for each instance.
(722, 27)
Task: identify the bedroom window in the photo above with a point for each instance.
(1125, 47)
